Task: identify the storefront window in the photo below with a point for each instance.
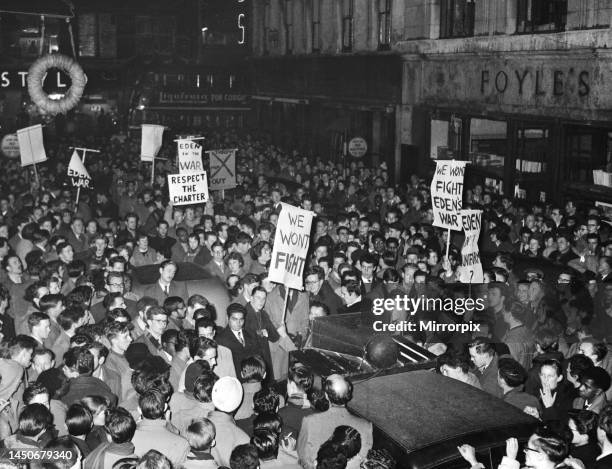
(532, 155)
(439, 139)
(589, 156)
(488, 150)
(384, 24)
(316, 25)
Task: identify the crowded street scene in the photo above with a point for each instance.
(327, 234)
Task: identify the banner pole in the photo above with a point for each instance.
(285, 306)
(76, 204)
(448, 242)
(36, 175)
(152, 172)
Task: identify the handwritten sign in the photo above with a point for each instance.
(222, 169)
(470, 270)
(186, 189)
(291, 243)
(189, 156)
(447, 194)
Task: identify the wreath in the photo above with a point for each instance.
(37, 73)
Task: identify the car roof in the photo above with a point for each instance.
(428, 415)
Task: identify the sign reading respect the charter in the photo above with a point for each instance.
(447, 194)
(290, 246)
(189, 188)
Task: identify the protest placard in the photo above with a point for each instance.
(190, 188)
(31, 146)
(470, 270)
(189, 156)
(291, 243)
(447, 194)
(78, 174)
(152, 137)
(222, 169)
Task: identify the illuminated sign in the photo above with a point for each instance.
(18, 79)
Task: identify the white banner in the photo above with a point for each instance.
(470, 270)
(186, 189)
(31, 145)
(222, 169)
(189, 156)
(447, 194)
(152, 136)
(291, 242)
(77, 172)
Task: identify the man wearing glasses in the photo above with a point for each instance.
(157, 321)
(115, 283)
(320, 290)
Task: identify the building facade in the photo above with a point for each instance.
(517, 87)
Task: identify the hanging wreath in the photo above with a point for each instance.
(36, 75)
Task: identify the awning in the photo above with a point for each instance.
(51, 8)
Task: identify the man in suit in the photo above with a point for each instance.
(82, 382)
(594, 382)
(152, 432)
(157, 321)
(165, 285)
(355, 303)
(216, 266)
(241, 343)
(320, 290)
(318, 427)
(482, 353)
(101, 371)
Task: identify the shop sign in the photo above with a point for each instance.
(18, 79)
(10, 146)
(357, 147)
(185, 97)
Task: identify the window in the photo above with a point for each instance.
(535, 16)
(533, 148)
(488, 149)
(589, 156)
(288, 26)
(266, 27)
(457, 18)
(316, 25)
(347, 25)
(384, 24)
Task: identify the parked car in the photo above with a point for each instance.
(422, 417)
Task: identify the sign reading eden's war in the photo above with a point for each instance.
(189, 156)
(190, 188)
(447, 194)
(470, 270)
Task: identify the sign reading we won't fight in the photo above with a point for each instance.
(447, 194)
(290, 246)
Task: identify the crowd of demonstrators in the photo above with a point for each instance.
(93, 358)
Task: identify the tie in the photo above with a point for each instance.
(167, 290)
(240, 338)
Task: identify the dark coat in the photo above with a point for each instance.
(239, 352)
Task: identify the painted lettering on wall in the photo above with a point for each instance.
(553, 82)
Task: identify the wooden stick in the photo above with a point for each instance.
(448, 242)
(76, 205)
(189, 138)
(285, 305)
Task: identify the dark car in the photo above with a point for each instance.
(422, 417)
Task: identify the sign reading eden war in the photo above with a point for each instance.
(470, 270)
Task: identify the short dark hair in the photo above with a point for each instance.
(244, 457)
(203, 386)
(512, 372)
(152, 404)
(200, 434)
(253, 368)
(267, 443)
(453, 360)
(33, 419)
(605, 421)
(598, 375)
(334, 397)
(78, 420)
(266, 400)
(120, 425)
(482, 345)
(33, 390)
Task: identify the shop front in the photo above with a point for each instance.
(537, 126)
